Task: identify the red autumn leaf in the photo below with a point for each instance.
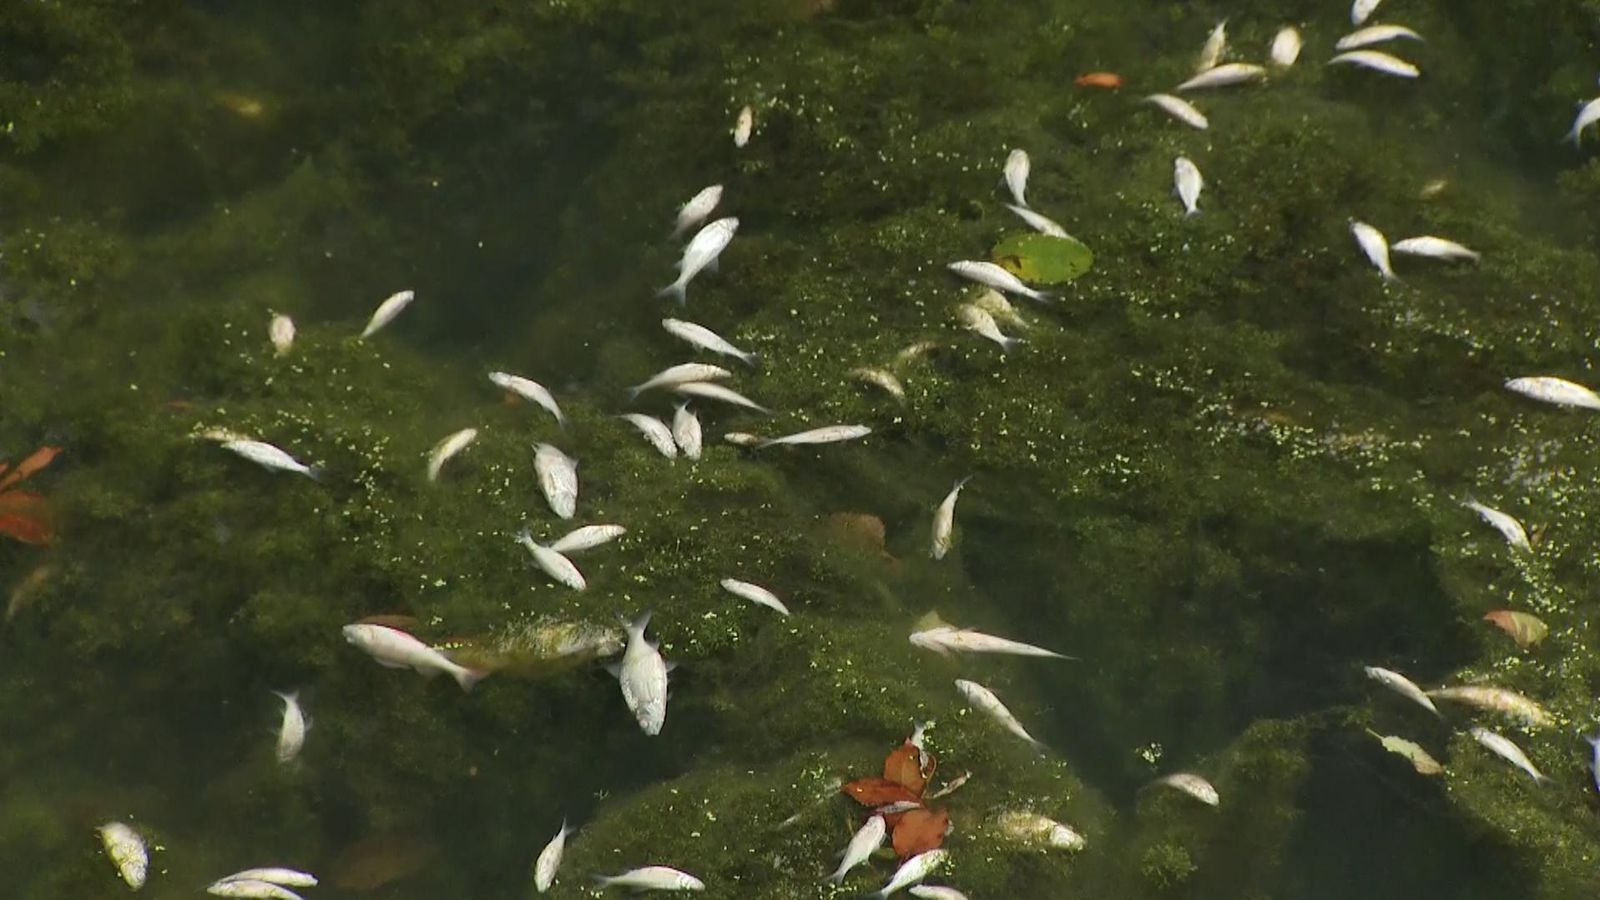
(25, 503)
(25, 529)
(919, 831)
(904, 766)
(877, 792)
(37, 460)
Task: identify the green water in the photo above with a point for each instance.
(1226, 470)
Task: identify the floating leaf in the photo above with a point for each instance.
(878, 792)
(37, 460)
(1419, 758)
(919, 831)
(1042, 258)
(1524, 628)
(25, 529)
(907, 767)
(380, 859)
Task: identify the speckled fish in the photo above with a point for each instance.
(1211, 52)
(1016, 176)
(708, 391)
(655, 431)
(544, 869)
(686, 431)
(742, 439)
(1375, 34)
(995, 304)
(395, 649)
(1506, 750)
(1361, 10)
(1193, 785)
(1510, 528)
(587, 537)
(1497, 699)
(126, 850)
(529, 390)
(274, 875)
(450, 446)
(744, 126)
(386, 312)
(642, 673)
(912, 871)
(697, 209)
(1559, 391)
(1419, 758)
(1033, 828)
(1375, 246)
(1180, 109)
(1377, 61)
(1224, 76)
(251, 889)
(280, 331)
(987, 273)
(944, 524)
(866, 841)
(947, 639)
(1285, 47)
(558, 479)
(682, 373)
(267, 456)
(292, 730)
(881, 379)
(1040, 223)
(1401, 685)
(1588, 114)
(1188, 182)
(755, 593)
(985, 701)
(978, 321)
(554, 563)
(828, 434)
(935, 892)
(652, 878)
(1594, 761)
(702, 251)
(1433, 248)
(706, 339)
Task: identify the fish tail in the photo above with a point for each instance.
(468, 678)
(962, 482)
(751, 359)
(1593, 739)
(288, 696)
(1011, 343)
(634, 392)
(524, 536)
(315, 473)
(676, 290)
(637, 626)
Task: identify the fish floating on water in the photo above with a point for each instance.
(986, 702)
(1188, 182)
(1497, 699)
(709, 391)
(698, 209)
(387, 311)
(127, 852)
(1378, 62)
(445, 449)
(881, 379)
(655, 431)
(1588, 114)
(280, 331)
(271, 458)
(1375, 246)
(553, 562)
(995, 304)
(977, 320)
(829, 434)
(1285, 47)
(274, 875)
(1361, 10)
(1435, 248)
(558, 479)
(683, 373)
(396, 649)
(686, 432)
(292, 730)
(1034, 828)
(1558, 391)
(642, 673)
(1211, 51)
(701, 252)
(529, 390)
(705, 339)
(912, 871)
(1016, 176)
(1179, 109)
(944, 523)
(587, 537)
(251, 889)
(544, 869)
(1509, 528)
(935, 892)
(865, 842)
(987, 273)
(1375, 34)
(755, 593)
(947, 639)
(1193, 785)
(1224, 76)
(652, 878)
(743, 126)
(1401, 685)
(1040, 223)
(1508, 751)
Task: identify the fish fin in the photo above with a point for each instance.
(467, 678)
(669, 667)
(641, 623)
(615, 669)
(753, 360)
(712, 263)
(676, 290)
(288, 696)
(427, 674)
(1010, 343)
(1593, 740)
(962, 482)
(315, 473)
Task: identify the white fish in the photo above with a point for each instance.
(1193, 785)
(710, 391)
(1361, 10)
(1497, 699)
(1435, 247)
(978, 321)
(553, 562)
(882, 379)
(544, 870)
(866, 841)
(1375, 34)
(274, 875)
(755, 593)
(1223, 76)
(655, 431)
(1216, 44)
(1558, 391)
(947, 639)
(1401, 685)
(529, 390)
(828, 434)
(697, 209)
(1285, 47)
(1187, 179)
(702, 251)
(987, 273)
(642, 674)
(558, 479)
(267, 456)
(944, 523)
(447, 448)
(742, 439)
(935, 892)
(1375, 246)
(706, 339)
(1507, 751)
(652, 878)
(280, 331)
(395, 649)
(1180, 109)
(127, 851)
(586, 537)
(292, 731)
(1040, 223)
(682, 373)
(1016, 176)
(251, 889)
(986, 702)
(1588, 114)
(995, 304)
(1377, 61)
(1509, 527)
(912, 871)
(1033, 828)
(686, 431)
(743, 126)
(387, 310)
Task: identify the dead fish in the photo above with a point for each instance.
(947, 639)
(126, 850)
(1016, 176)
(709, 391)
(742, 439)
(1588, 114)
(701, 252)
(935, 892)
(1193, 785)
(1211, 52)
(1375, 246)
(1378, 62)
(280, 331)
(558, 479)
(1179, 109)
(1040, 223)
(912, 871)
(272, 458)
(554, 564)
(881, 379)
(1497, 699)
(987, 273)
(587, 537)
(1187, 180)
(1375, 34)
(1510, 528)
(292, 730)
(944, 521)
(655, 431)
(274, 875)
(544, 870)
(1223, 76)
(1433, 247)
(386, 312)
(1559, 391)
(980, 322)
(1285, 47)
(697, 209)
(1361, 10)
(251, 889)
(706, 339)
(755, 593)
(985, 701)
(995, 304)
(866, 841)
(680, 374)
(396, 649)
(686, 431)
(744, 126)
(913, 352)
(450, 446)
(1033, 828)
(829, 434)
(529, 390)
(1506, 750)
(1401, 685)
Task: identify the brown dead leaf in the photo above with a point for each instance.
(877, 792)
(904, 766)
(920, 830)
(37, 460)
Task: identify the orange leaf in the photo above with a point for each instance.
(904, 766)
(877, 792)
(39, 459)
(1524, 628)
(919, 831)
(25, 529)
(25, 503)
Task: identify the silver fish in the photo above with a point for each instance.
(1016, 176)
(267, 456)
(829, 434)
(743, 126)
(1216, 44)
(251, 889)
(1040, 223)
(1497, 699)
(1588, 114)
(1180, 109)
(985, 701)
(1509, 527)
(1361, 10)
(280, 331)
(450, 446)
(529, 390)
(680, 374)
(652, 878)
(1401, 685)
(978, 321)
(558, 479)
(655, 431)
(587, 537)
(1594, 762)
(702, 251)
(697, 209)
(292, 730)
(1187, 180)
(755, 593)
(1375, 34)
(912, 871)
(274, 875)
(1285, 47)
(944, 522)
(866, 841)
(882, 379)
(544, 870)
(127, 851)
(995, 304)
(554, 563)
(1507, 751)
(947, 639)
(395, 649)
(1223, 76)
(935, 892)
(1378, 62)
(386, 312)
(686, 431)
(1434, 247)
(1558, 391)
(1375, 246)
(987, 273)
(742, 439)
(642, 673)
(709, 391)
(1193, 785)
(706, 339)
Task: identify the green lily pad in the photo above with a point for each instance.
(1042, 258)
